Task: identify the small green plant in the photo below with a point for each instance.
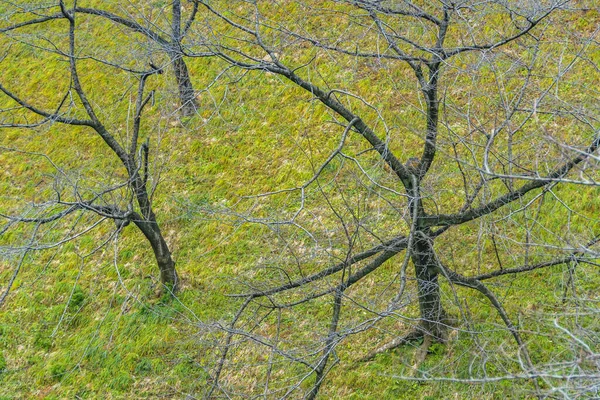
(57, 371)
(42, 341)
(3, 363)
(77, 299)
(436, 349)
(143, 366)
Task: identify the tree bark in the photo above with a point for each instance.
(166, 265)
(425, 261)
(147, 223)
(426, 272)
(187, 97)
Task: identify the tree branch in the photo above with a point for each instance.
(394, 246)
(456, 219)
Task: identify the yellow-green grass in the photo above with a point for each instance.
(76, 325)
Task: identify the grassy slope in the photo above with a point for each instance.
(74, 327)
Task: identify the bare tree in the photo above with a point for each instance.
(127, 199)
(501, 121)
(469, 155)
(169, 39)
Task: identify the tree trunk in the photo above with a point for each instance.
(147, 223)
(166, 265)
(187, 97)
(426, 271)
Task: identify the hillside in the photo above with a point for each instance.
(274, 179)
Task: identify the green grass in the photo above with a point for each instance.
(75, 326)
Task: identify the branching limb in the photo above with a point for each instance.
(577, 256)
(31, 22)
(490, 46)
(391, 246)
(472, 283)
(18, 267)
(49, 116)
(139, 108)
(474, 213)
(330, 343)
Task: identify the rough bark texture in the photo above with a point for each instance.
(425, 261)
(168, 273)
(149, 226)
(166, 265)
(426, 271)
(187, 97)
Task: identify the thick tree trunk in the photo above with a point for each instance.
(166, 265)
(187, 97)
(426, 271)
(147, 223)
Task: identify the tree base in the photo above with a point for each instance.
(410, 337)
(439, 336)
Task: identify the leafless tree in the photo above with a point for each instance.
(501, 128)
(470, 156)
(126, 199)
(146, 21)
